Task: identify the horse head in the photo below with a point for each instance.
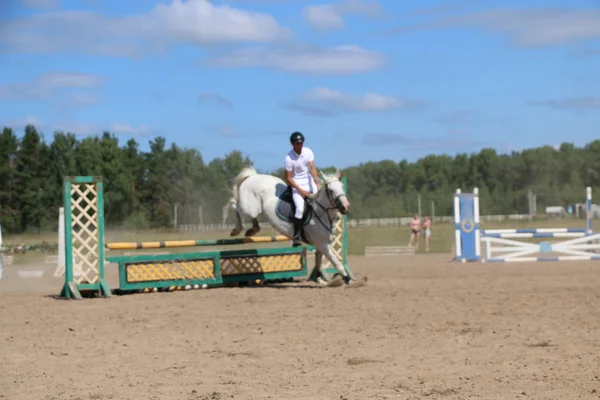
(332, 192)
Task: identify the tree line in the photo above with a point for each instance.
(142, 187)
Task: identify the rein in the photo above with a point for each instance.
(334, 201)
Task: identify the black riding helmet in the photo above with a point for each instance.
(297, 137)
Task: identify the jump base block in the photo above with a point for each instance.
(210, 268)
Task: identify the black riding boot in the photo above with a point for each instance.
(297, 226)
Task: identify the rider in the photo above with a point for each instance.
(301, 175)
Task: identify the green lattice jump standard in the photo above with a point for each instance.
(83, 201)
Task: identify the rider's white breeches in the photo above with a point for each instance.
(308, 185)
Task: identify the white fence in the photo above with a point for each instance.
(360, 223)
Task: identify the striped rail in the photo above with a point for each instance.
(194, 243)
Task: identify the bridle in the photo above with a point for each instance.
(333, 200)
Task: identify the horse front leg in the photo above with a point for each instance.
(346, 276)
(255, 228)
(331, 256)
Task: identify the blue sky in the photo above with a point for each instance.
(363, 80)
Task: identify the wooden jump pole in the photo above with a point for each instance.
(192, 243)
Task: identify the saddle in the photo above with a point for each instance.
(286, 208)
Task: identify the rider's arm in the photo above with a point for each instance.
(313, 172)
(313, 168)
(290, 180)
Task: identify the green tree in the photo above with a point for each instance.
(32, 176)
(9, 208)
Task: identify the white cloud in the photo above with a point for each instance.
(371, 102)
(23, 122)
(69, 79)
(325, 102)
(331, 15)
(78, 128)
(44, 86)
(195, 22)
(323, 17)
(118, 128)
(310, 110)
(532, 27)
(200, 22)
(339, 60)
(540, 27)
(124, 129)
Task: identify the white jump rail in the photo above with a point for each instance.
(389, 251)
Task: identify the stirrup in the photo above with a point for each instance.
(297, 241)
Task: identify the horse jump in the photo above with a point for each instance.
(469, 237)
(85, 259)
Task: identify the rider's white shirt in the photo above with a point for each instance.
(298, 165)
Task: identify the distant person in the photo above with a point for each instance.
(427, 228)
(415, 228)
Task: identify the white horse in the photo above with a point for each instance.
(257, 194)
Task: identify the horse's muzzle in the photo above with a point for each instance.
(343, 205)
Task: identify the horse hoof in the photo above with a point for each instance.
(321, 281)
(235, 232)
(336, 281)
(357, 282)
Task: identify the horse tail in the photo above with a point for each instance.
(244, 174)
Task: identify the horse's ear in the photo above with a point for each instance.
(337, 173)
(321, 174)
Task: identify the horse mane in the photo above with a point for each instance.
(328, 177)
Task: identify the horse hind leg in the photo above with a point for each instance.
(319, 275)
(232, 206)
(255, 228)
(238, 224)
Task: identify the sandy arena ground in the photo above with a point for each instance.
(422, 328)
